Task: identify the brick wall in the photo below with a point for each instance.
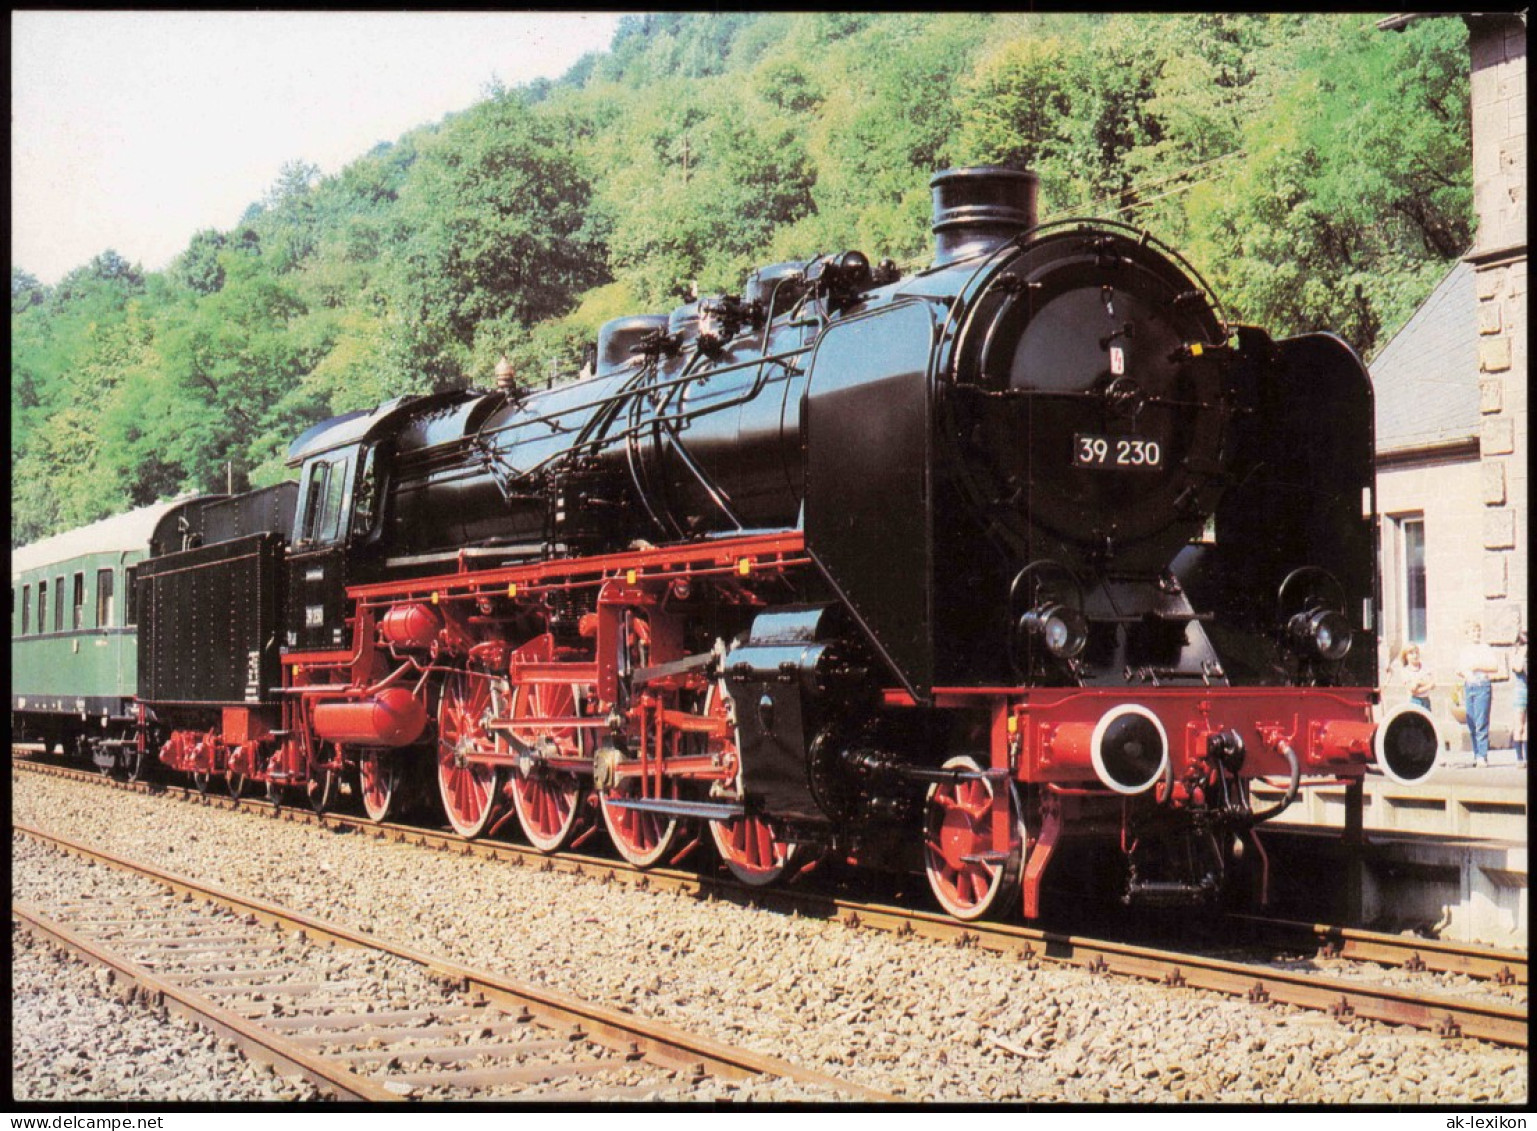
(1497, 45)
(1446, 494)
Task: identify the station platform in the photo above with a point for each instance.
(1460, 800)
(1447, 857)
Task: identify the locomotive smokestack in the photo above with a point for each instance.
(977, 209)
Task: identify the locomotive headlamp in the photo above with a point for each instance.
(1061, 629)
(1324, 633)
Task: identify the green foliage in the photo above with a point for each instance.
(1314, 169)
(1352, 188)
(26, 291)
(198, 268)
(490, 239)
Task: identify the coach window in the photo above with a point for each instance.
(58, 603)
(130, 596)
(42, 606)
(105, 605)
(78, 621)
(26, 609)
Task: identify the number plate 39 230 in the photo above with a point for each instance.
(1120, 453)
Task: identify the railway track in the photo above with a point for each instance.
(266, 978)
(1501, 1022)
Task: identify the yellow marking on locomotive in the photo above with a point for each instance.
(434, 596)
(744, 566)
(512, 589)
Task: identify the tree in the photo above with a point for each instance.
(198, 268)
(1354, 188)
(107, 274)
(26, 291)
(491, 229)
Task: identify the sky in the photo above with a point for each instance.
(133, 130)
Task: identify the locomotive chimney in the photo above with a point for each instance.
(979, 208)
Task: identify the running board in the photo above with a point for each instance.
(705, 810)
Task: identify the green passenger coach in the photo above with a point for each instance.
(73, 637)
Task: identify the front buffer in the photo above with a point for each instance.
(1164, 775)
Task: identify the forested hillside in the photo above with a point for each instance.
(1314, 169)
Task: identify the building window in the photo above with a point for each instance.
(104, 603)
(58, 603)
(130, 595)
(42, 606)
(1412, 591)
(78, 620)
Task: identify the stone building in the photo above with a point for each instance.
(1452, 433)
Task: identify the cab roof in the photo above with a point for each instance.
(354, 427)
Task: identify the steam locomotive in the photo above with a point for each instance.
(937, 572)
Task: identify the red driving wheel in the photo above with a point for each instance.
(749, 847)
(548, 801)
(957, 839)
(468, 788)
(642, 838)
(379, 776)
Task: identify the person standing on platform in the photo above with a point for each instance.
(1476, 664)
(1414, 675)
(1518, 677)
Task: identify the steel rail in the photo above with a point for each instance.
(1450, 1016)
(1500, 965)
(259, 1043)
(663, 1044)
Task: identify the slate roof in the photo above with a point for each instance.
(1426, 377)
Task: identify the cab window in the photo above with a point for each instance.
(42, 606)
(365, 502)
(130, 596)
(58, 603)
(77, 622)
(26, 609)
(327, 498)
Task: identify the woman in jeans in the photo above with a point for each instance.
(1518, 674)
(1475, 665)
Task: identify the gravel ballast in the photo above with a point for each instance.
(926, 1021)
(73, 1041)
